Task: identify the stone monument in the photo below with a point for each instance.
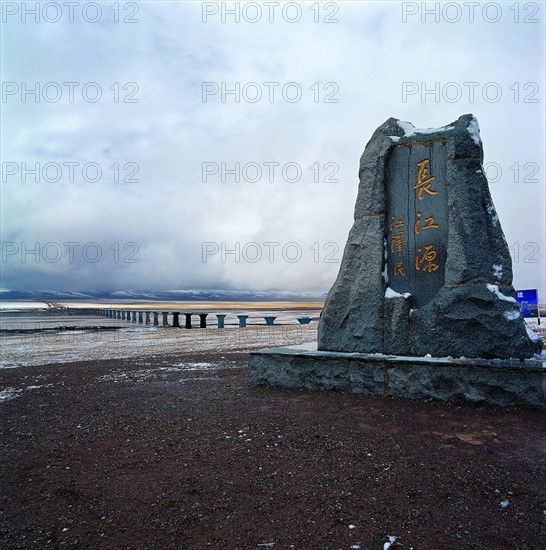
(426, 268)
(423, 305)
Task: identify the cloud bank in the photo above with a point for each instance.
(240, 183)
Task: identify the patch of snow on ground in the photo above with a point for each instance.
(203, 365)
(7, 365)
(20, 350)
(390, 542)
(495, 290)
(9, 393)
(144, 375)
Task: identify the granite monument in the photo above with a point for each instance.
(426, 269)
(423, 305)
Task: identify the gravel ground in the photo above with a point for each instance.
(178, 451)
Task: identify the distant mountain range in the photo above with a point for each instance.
(158, 295)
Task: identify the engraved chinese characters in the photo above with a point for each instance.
(416, 224)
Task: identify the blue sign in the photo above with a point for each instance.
(528, 301)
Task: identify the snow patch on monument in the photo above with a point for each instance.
(495, 290)
(390, 293)
(497, 271)
(411, 130)
(493, 213)
(512, 315)
(533, 336)
(474, 131)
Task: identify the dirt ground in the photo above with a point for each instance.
(180, 452)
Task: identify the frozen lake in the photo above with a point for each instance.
(13, 305)
(55, 335)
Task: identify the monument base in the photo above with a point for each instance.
(504, 383)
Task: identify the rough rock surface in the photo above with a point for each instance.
(446, 325)
(465, 317)
(353, 314)
(396, 322)
(500, 383)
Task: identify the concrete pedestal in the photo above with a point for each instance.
(203, 320)
(188, 319)
(242, 320)
(156, 318)
(176, 319)
(505, 383)
(165, 315)
(221, 318)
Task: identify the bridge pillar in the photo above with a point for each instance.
(242, 320)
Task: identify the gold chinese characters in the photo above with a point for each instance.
(424, 183)
(425, 255)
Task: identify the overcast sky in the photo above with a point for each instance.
(163, 213)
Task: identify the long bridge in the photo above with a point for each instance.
(152, 317)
